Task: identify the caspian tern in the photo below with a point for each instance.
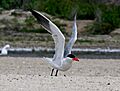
(4, 50)
(62, 59)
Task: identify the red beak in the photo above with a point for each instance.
(75, 59)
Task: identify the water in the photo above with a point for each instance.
(86, 53)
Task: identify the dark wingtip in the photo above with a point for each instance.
(32, 11)
(41, 19)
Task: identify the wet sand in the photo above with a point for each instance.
(33, 74)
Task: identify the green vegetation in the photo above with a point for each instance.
(90, 41)
(106, 16)
(107, 19)
(30, 21)
(60, 8)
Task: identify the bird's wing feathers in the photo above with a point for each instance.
(72, 40)
(58, 37)
(42, 20)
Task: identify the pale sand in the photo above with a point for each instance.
(32, 74)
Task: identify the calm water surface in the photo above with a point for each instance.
(84, 55)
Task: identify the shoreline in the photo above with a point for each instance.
(33, 74)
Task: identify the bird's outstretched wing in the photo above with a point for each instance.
(57, 35)
(72, 40)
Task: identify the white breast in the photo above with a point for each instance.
(67, 63)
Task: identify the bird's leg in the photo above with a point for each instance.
(56, 72)
(52, 72)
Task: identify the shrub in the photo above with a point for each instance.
(85, 11)
(66, 8)
(111, 15)
(7, 4)
(107, 19)
(30, 21)
(99, 28)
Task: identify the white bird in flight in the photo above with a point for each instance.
(4, 50)
(62, 59)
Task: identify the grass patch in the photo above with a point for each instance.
(30, 21)
(91, 41)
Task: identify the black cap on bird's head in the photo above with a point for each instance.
(73, 57)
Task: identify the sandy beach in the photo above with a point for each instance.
(33, 74)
